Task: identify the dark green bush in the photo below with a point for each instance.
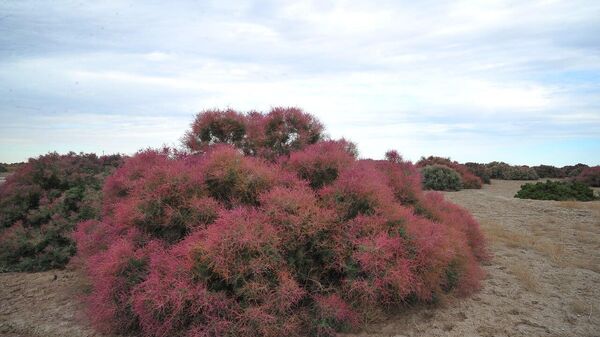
(3, 168)
(548, 171)
(556, 190)
(467, 178)
(440, 178)
(41, 203)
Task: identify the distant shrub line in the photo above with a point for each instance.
(9, 167)
(501, 170)
(504, 171)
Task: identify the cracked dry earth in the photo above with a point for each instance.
(544, 279)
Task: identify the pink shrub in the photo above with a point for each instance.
(114, 273)
(321, 163)
(270, 135)
(289, 129)
(360, 189)
(403, 177)
(225, 244)
(334, 314)
(237, 180)
(168, 297)
(216, 126)
(295, 213)
(384, 261)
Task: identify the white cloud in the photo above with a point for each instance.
(420, 75)
(156, 56)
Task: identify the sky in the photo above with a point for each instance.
(516, 81)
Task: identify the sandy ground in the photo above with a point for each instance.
(544, 279)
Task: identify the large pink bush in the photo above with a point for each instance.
(224, 244)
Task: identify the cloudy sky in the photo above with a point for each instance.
(517, 81)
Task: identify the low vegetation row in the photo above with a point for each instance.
(441, 173)
(504, 171)
(7, 168)
(474, 175)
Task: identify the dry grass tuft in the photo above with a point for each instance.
(546, 240)
(587, 238)
(523, 274)
(509, 238)
(591, 205)
(555, 251)
(592, 264)
(571, 204)
(541, 230)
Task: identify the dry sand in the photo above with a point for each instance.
(544, 279)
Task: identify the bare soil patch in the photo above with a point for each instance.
(544, 279)
(42, 304)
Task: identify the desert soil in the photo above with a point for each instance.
(543, 279)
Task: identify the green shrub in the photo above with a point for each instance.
(468, 179)
(41, 203)
(440, 178)
(556, 190)
(3, 168)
